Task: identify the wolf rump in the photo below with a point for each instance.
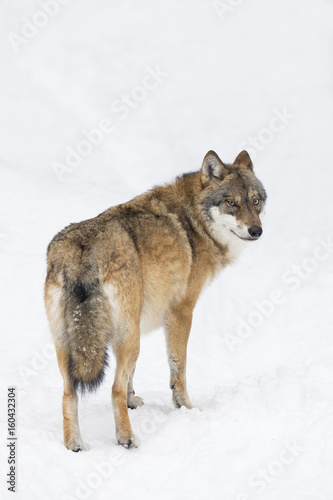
(138, 266)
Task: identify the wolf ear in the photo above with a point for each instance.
(243, 160)
(212, 168)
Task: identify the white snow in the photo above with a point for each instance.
(200, 75)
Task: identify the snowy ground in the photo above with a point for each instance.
(199, 75)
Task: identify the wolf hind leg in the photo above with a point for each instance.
(126, 356)
(132, 400)
(72, 435)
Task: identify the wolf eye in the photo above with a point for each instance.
(256, 201)
(231, 203)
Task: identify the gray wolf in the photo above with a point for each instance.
(139, 266)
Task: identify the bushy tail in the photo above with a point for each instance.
(87, 321)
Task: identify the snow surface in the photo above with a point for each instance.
(266, 391)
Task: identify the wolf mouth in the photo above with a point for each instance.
(245, 239)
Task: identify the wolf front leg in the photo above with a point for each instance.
(177, 328)
(126, 355)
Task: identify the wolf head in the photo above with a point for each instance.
(232, 198)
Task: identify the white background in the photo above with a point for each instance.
(266, 429)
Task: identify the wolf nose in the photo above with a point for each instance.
(255, 231)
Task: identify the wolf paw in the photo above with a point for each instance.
(134, 401)
(76, 447)
(181, 399)
(132, 442)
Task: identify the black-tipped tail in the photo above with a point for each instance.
(87, 320)
(85, 383)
